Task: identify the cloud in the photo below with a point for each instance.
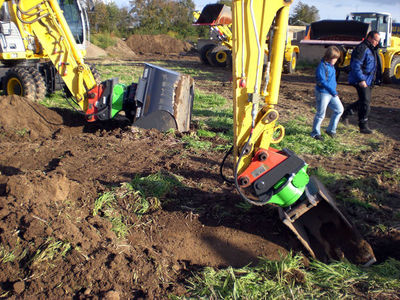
(382, 2)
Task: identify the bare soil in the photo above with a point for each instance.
(157, 44)
(54, 165)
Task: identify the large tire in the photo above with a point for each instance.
(18, 81)
(219, 56)
(204, 51)
(40, 84)
(289, 67)
(392, 75)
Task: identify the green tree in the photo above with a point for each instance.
(304, 13)
(162, 16)
(226, 2)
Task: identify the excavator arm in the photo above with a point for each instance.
(265, 175)
(162, 99)
(50, 27)
(256, 91)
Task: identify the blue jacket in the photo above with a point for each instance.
(326, 78)
(363, 64)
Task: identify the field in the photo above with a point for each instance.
(109, 210)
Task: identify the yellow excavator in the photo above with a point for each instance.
(162, 99)
(25, 67)
(36, 30)
(218, 50)
(262, 174)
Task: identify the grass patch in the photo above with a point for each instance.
(298, 139)
(125, 74)
(289, 278)
(51, 250)
(131, 200)
(192, 141)
(106, 205)
(103, 40)
(16, 254)
(196, 73)
(58, 100)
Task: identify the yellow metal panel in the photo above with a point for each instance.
(251, 25)
(12, 55)
(50, 27)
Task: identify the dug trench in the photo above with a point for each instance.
(54, 167)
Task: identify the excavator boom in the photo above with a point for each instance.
(162, 99)
(264, 175)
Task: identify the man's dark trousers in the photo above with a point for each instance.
(362, 105)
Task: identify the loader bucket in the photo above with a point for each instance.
(164, 99)
(215, 14)
(323, 229)
(338, 30)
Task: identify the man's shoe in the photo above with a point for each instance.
(331, 134)
(364, 128)
(318, 137)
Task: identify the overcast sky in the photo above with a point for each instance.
(328, 10)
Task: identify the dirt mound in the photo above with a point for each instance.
(93, 51)
(159, 44)
(50, 233)
(121, 50)
(54, 167)
(20, 116)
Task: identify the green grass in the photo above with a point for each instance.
(125, 74)
(141, 196)
(58, 100)
(16, 254)
(298, 139)
(103, 40)
(106, 204)
(365, 192)
(289, 278)
(50, 250)
(196, 73)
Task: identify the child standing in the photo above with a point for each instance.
(326, 94)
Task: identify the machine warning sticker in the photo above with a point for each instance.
(260, 170)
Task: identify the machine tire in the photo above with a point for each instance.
(289, 67)
(40, 84)
(204, 51)
(18, 81)
(392, 75)
(219, 56)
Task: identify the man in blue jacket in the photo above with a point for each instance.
(363, 75)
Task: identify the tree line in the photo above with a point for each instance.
(173, 17)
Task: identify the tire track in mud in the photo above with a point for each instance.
(375, 164)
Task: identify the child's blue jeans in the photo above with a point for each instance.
(323, 101)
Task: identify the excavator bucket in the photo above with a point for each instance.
(163, 99)
(341, 30)
(323, 229)
(215, 14)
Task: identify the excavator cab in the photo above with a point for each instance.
(77, 20)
